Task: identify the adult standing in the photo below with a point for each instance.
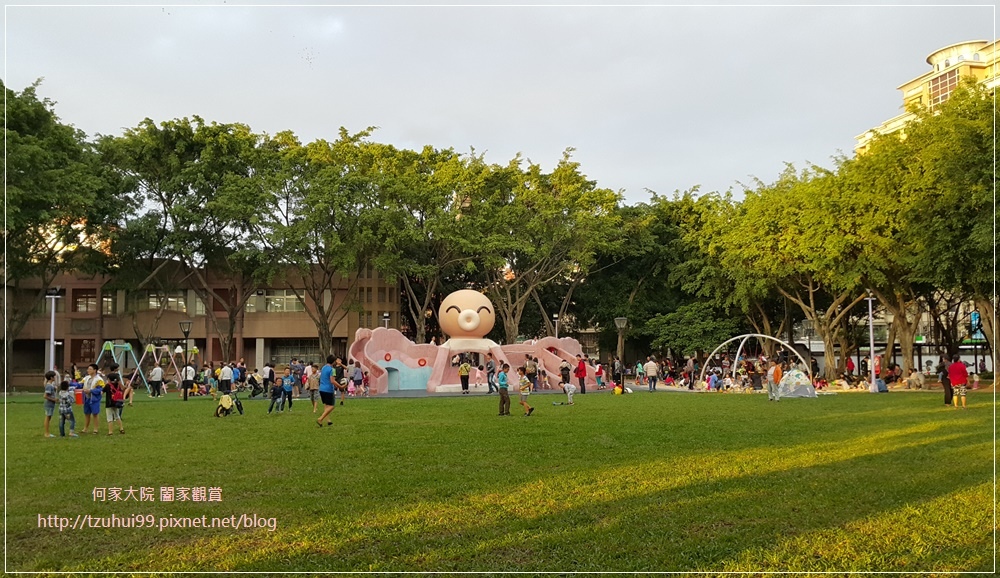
(491, 373)
(689, 371)
(225, 378)
(297, 368)
(651, 373)
(156, 380)
(92, 383)
(531, 371)
(187, 379)
(959, 377)
(618, 369)
(943, 377)
(326, 377)
(581, 373)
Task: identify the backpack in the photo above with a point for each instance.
(117, 395)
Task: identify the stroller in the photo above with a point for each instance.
(226, 403)
(256, 388)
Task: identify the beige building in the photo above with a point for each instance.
(975, 58)
(275, 325)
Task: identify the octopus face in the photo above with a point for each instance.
(466, 314)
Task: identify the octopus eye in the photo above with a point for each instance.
(483, 307)
(452, 307)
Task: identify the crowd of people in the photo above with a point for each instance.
(307, 380)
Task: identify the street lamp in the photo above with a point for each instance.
(621, 323)
(186, 330)
(872, 387)
(52, 294)
(385, 319)
(555, 320)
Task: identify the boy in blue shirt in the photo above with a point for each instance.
(502, 388)
(287, 383)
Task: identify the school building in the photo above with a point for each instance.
(273, 327)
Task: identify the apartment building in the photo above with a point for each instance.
(973, 58)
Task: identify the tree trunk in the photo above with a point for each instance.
(987, 316)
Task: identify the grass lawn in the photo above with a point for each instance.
(662, 482)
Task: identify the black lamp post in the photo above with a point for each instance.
(186, 330)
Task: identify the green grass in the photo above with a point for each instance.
(665, 482)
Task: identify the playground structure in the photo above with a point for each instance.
(739, 350)
(394, 363)
(121, 352)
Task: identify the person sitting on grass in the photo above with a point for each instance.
(50, 400)
(525, 385)
(66, 399)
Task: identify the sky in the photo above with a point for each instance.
(652, 98)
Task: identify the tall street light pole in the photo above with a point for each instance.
(872, 387)
(621, 323)
(52, 294)
(555, 320)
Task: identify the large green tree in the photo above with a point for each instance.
(58, 199)
(536, 228)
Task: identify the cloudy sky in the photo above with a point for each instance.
(651, 97)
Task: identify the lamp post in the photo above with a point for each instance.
(385, 319)
(872, 387)
(555, 321)
(621, 323)
(186, 330)
(52, 294)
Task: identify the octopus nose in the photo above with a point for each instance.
(468, 320)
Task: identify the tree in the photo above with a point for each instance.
(186, 171)
(951, 154)
(423, 193)
(58, 199)
(327, 220)
(536, 228)
(791, 233)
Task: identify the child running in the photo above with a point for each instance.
(525, 385)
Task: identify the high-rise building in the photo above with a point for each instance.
(974, 58)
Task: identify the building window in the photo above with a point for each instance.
(199, 306)
(975, 57)
(368, 294)
(154, 300)
(283, 350)
(941, 87)
(381, 295)
(83, 351)
(961, 58)
(251, 305)
(282, 301)
(85, 300)
(109, 305)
